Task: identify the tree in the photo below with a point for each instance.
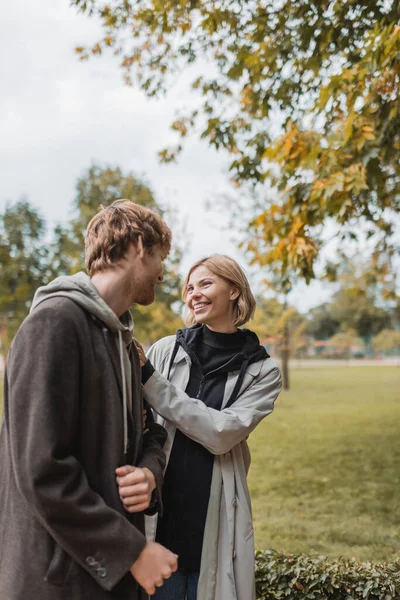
(387, 341)
(304, 95)
(24, 264)
(364, 300)
(355, 310)
(284, 325)
(320, 322)
(346, 342)
(96, 187)
(155, 321)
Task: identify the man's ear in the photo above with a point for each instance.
(139, 246)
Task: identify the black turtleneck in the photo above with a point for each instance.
(187, 480)
(214, 349)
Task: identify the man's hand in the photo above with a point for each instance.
(142, 355)
(155, 563)
(135, 487)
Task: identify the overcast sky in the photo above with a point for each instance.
(59, 116)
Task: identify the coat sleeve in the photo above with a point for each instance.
(153, 457)
(44, 373)
(218, 431)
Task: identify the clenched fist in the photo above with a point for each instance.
(155, 563)
(135, 486)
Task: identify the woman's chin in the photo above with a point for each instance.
(201, 319)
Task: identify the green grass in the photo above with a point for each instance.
(325, 474)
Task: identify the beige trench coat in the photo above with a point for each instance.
(227, 563)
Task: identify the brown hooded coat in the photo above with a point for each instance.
(64, 533)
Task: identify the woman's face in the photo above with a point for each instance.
(211, 299)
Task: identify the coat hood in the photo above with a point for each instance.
(251, 351)
(80, 289)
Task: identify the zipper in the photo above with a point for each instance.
(224, 365)
(201, 386)
(203, 377)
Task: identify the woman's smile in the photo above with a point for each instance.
(200, 306)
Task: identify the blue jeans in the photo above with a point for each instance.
(180, 586)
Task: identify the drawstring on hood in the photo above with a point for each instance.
(81, 290)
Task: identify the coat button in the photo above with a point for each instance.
(90, 560)
(234, 502)
(102, 572)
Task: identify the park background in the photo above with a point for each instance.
(283, 155)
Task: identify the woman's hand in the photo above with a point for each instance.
(142, 355)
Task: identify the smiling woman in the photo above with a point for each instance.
(210, 386)
(217, 293)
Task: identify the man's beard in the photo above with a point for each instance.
(145, 295)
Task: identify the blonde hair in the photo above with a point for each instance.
(110, 233)
(225, 267)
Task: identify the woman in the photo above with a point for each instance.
(210, 385)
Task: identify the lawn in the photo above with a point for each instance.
(325, 474)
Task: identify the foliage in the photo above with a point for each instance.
(366, 301)
(271, 318)
(353, 309)
(346, 341)
(280, 327)
(291, 577)
(304, 95)
(365, 298)
(96, 187)
(25, 264)
(387, 340)
(154, 322)
(321, 324)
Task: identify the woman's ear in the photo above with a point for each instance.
(235, 293)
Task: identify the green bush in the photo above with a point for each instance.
(294, 577)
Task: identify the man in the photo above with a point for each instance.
(73, 421)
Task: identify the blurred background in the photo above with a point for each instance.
(269, 131)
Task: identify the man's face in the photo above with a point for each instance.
(144, 269)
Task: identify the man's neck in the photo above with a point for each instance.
(111, 289)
